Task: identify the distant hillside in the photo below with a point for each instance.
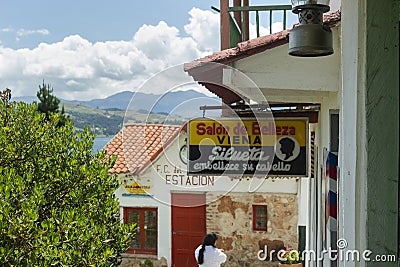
(25, 99)
(116, 101)
(106, 116)
(180, 103)
(107, 122)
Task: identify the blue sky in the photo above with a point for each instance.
(94, 20)
(94, 48)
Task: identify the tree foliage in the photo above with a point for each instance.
(49, 103)
(56, 197)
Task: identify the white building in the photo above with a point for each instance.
(357, 89)
(174, 211)
(357, 92)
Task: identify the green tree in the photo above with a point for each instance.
(49, 103)
(56, 197)
(5, 97)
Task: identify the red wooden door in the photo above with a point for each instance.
(188, 227)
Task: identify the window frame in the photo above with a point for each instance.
(255, 217)
(142, 249)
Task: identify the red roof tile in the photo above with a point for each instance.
(137, 145)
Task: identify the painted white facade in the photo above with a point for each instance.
(352, 219)
(281, 77)
(167, 175)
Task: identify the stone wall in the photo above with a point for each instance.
(230, 216)
(137, 261)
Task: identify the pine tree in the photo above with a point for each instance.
(49, 103)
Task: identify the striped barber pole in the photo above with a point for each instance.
(332, 174)
(312, 152)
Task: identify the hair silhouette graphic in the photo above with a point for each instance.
(287, 147)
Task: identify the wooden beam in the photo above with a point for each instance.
(224, 29)
(238, 16)
(246, 21)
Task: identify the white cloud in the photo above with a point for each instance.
(7, 30)
(24, 32)
(276, 27)
(204, 27)
(79, 69)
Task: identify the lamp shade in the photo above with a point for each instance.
(309, 2)
(310, 38)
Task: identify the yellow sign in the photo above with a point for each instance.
(248, 147)
(245, 132)
(137, 188)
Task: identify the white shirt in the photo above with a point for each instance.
(213, 257)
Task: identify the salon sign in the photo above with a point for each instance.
(248, 147)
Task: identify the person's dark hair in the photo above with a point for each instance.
(209, 240)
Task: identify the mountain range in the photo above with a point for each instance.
(179, 103)
(105, 117)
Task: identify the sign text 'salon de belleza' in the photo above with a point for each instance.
(248, 147)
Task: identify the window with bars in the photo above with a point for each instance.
(260, 218)
(145, 240)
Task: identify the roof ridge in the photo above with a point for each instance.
(150, 124)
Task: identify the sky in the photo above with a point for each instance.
(91, 49)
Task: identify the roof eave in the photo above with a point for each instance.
(254, 46)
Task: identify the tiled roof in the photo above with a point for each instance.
(254, 46)
(137, 145)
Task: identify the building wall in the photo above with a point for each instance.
(281, 77)
(351, 144)
(230, 216)
(144, 261)
(370, 137)
(382, 126)
(328, 104)
(279, 194)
